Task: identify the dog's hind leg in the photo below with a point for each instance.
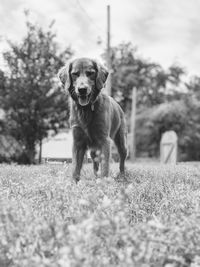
(121, 144)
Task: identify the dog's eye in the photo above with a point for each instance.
(90, 73)
(75, 74)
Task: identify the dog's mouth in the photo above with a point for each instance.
(83, 100)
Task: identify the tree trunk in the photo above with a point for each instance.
(31, 156)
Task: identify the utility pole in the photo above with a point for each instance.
(108, 83)
(133, 115)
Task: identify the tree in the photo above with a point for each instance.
(32, 98)
(192, 132)
(10, 149)
(193, 86)
(150, 79)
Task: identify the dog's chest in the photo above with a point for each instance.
(94, 130)
(93, 124)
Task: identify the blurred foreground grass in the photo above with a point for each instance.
(151, 219)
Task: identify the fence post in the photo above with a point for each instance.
(133, 115)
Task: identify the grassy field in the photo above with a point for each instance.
(151, 219)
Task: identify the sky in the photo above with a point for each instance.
(165, 31)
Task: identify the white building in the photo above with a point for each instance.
(58, 147)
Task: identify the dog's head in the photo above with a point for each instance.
(83, 78)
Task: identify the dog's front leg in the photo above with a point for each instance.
(105, 163)
(79, 149)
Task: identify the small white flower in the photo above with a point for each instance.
(106, 202)
(83, 202)
(156, 224)
(72, 228)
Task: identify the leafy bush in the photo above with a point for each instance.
(10, 149)
(182, 116)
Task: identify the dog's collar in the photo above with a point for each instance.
(92, 105)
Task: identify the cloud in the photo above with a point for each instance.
(164, 31)
(168, 31)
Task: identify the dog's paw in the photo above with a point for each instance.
(122, 177)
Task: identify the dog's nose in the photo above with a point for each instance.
(82, 90)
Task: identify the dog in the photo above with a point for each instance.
(95, 117)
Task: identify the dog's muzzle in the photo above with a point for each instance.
(83, 96)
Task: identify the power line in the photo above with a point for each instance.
(99, 38)
(90, 18)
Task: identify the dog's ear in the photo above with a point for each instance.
(101, 76)
(64, 76)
